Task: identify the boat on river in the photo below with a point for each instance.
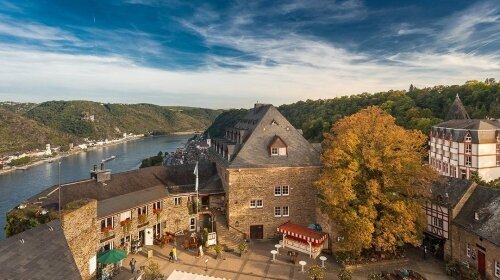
(108, 159)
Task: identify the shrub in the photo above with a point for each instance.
(152, 271)
(316, 272)
(344, 274)
(375, 276)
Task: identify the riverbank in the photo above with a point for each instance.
(69, 153)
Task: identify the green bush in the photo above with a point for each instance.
(375, 276)
(344, 274)
(20, 161)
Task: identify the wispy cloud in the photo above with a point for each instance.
(407, 29)
(34, 31)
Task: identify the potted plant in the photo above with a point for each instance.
(157, 212)
(126, 225)
(316, 272)
(142, 219)
(106, 230)
(243, 247)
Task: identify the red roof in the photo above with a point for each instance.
(302, 232)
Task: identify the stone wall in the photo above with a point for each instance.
(79, 227)
(258, 183)
(462, 237)
(328, 226)
(171, 218)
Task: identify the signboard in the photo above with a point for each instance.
(148, 239)
(212, 238)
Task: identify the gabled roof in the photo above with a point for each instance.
(457, 111)
(481, 131)
(449, 191)
(130, 182)
(277, 142)
(45, 254)
(263, 123)
(486, 202)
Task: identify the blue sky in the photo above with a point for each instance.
(230, 54)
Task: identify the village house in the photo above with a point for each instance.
(447, 199)
(127, 210)
(476, 234)
(461, 146)
(267, 170)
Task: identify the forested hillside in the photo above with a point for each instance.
(414, 109)
(26, 125)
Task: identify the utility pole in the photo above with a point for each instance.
(59, 183)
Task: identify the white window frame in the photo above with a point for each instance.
(468, 148)
(157, 205)
(497, 268)
(274, 151)
(277, 211)
(143, 210)
(106, 222)
(468, 161)
(253, 203)
(468, 250)
(177, 200)
(277, 191)
(287, 211)
(260, 203)
(468, 138)
(498, 160)
(498, 148)
(287, 188)
(125, 215)
(282, 151)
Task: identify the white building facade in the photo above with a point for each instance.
(461, 146)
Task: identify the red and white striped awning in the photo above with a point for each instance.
(303, 233)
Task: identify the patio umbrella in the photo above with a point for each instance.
(112, 256)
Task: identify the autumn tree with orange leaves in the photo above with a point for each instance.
(374, 183)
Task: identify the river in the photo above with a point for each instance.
(19, 185)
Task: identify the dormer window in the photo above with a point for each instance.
(468, 138)
(278, 147)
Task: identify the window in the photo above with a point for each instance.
(468, 250)
(468, 160)
(285, 190)
(497, 268)
(277, 211)
(277, 191)
(157, 205)
(282, 151)
(498, 160)
(468, 148)
(125, 216)
(177, 200)
(437, 222)
(274, 151)
(260, 203)
(142, 210)
(286, 212)
(468, 138)
(498, 148)
(107, 223)
(256, 203)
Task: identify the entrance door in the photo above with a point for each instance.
(192, 224)
(481, 262)
(148, 238)
(257, 232)
(141, 236)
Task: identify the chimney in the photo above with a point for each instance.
(257, 106)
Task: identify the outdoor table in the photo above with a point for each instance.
(274, 252)
(278, 246)
(323, 259)
(302, 263)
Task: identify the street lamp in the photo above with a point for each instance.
(206, 265)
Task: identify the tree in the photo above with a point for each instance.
(152, 271)
(374, 182)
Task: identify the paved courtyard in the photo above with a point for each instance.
(258, 264)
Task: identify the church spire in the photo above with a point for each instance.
(457, 111)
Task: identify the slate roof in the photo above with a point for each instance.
(140, 180)
(485, 201)
(457, 111)
(449, 191)
(481, 131)
(45, 254)
(261, 125)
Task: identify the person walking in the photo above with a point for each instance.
(132, 265)
(174, 253)
(200, 251)
(425, 251)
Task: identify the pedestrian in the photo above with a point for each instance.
(200, 251)
(174, 253)
(425, 251)
(132, 265)
(171, 255)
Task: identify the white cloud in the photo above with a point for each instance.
(34, 31)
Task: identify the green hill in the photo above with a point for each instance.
(57, 122)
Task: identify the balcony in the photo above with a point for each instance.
(106, 233)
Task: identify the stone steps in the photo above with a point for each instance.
(227, 237)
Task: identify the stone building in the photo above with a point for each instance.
(108, 210)
(267, 170)
(461, 145)
(447, 199)
(476, 232)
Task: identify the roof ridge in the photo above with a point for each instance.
(457, 110)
